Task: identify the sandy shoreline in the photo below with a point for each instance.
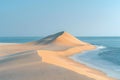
(47, 59)
(60, 58)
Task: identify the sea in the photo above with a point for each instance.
(18, 39)
(105, 58)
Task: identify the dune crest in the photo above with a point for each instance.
(68, 39)
(60, 38)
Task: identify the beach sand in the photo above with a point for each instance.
(47, 59)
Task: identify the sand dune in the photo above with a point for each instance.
(59, 41)
(28, 66)
(47, 59)
(60, 38)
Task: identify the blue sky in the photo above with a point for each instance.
(43, 17)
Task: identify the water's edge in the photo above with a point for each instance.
(90, 59)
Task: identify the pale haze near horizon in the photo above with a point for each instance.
(43, 17)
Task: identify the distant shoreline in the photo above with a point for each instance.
(8, 43)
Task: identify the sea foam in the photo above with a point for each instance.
(100, 47)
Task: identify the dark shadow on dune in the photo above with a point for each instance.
(32, 55)
(48, 39)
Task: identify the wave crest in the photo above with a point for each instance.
(100, 47)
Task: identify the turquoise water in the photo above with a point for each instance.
(105, 58)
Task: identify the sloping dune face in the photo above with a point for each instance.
(68, 40)
(47, 40)
(59, 41)
(28, 66)
(61, 38)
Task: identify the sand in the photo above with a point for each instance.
(47, 59)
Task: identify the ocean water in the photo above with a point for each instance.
(18, 39)
(105, 58)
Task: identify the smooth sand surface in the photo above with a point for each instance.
(47, 59)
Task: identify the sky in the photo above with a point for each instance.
(43, 17)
